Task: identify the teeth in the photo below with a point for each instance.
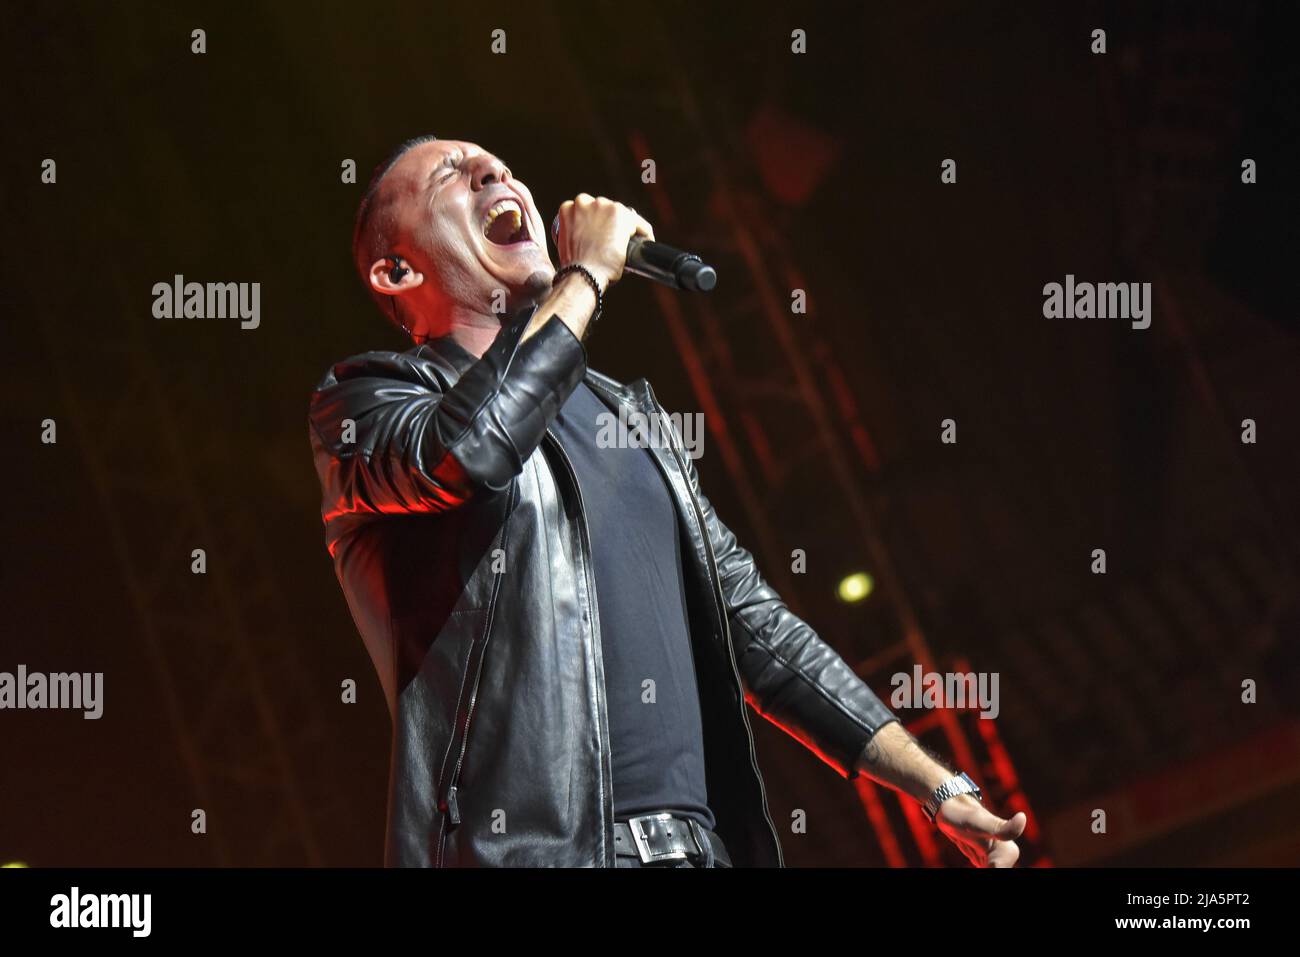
(504, 206)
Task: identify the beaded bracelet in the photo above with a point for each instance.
(595, 286)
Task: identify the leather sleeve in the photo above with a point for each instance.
(418, 448)
(791, 677)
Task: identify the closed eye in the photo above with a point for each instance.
(452, 165)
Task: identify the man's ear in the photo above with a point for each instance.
(381, 278)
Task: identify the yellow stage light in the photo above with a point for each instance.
(855, 588)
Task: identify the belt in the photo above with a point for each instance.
(666, 837)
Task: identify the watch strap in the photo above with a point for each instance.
(959, 784)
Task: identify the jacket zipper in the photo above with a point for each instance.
(450, 803)
(607, 804)
(726, 625)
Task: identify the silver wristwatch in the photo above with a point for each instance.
(961, 784)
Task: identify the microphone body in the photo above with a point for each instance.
(670, 266)
(662, 263)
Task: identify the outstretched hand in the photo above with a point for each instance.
(986, 839)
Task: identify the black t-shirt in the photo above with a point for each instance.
(657, 742)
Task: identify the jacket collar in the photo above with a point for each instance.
(460, 359)
(448, 349)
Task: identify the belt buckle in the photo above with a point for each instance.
(639, 837)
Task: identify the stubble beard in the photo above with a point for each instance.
(536, 287)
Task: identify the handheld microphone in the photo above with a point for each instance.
(662, 263)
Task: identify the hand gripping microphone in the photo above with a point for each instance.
(662, 263)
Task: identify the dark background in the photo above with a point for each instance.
(819, 172)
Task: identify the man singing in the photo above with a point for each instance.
(566, 633)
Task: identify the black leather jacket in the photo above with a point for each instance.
(457, 531)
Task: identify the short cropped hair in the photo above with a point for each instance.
(372, 233)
